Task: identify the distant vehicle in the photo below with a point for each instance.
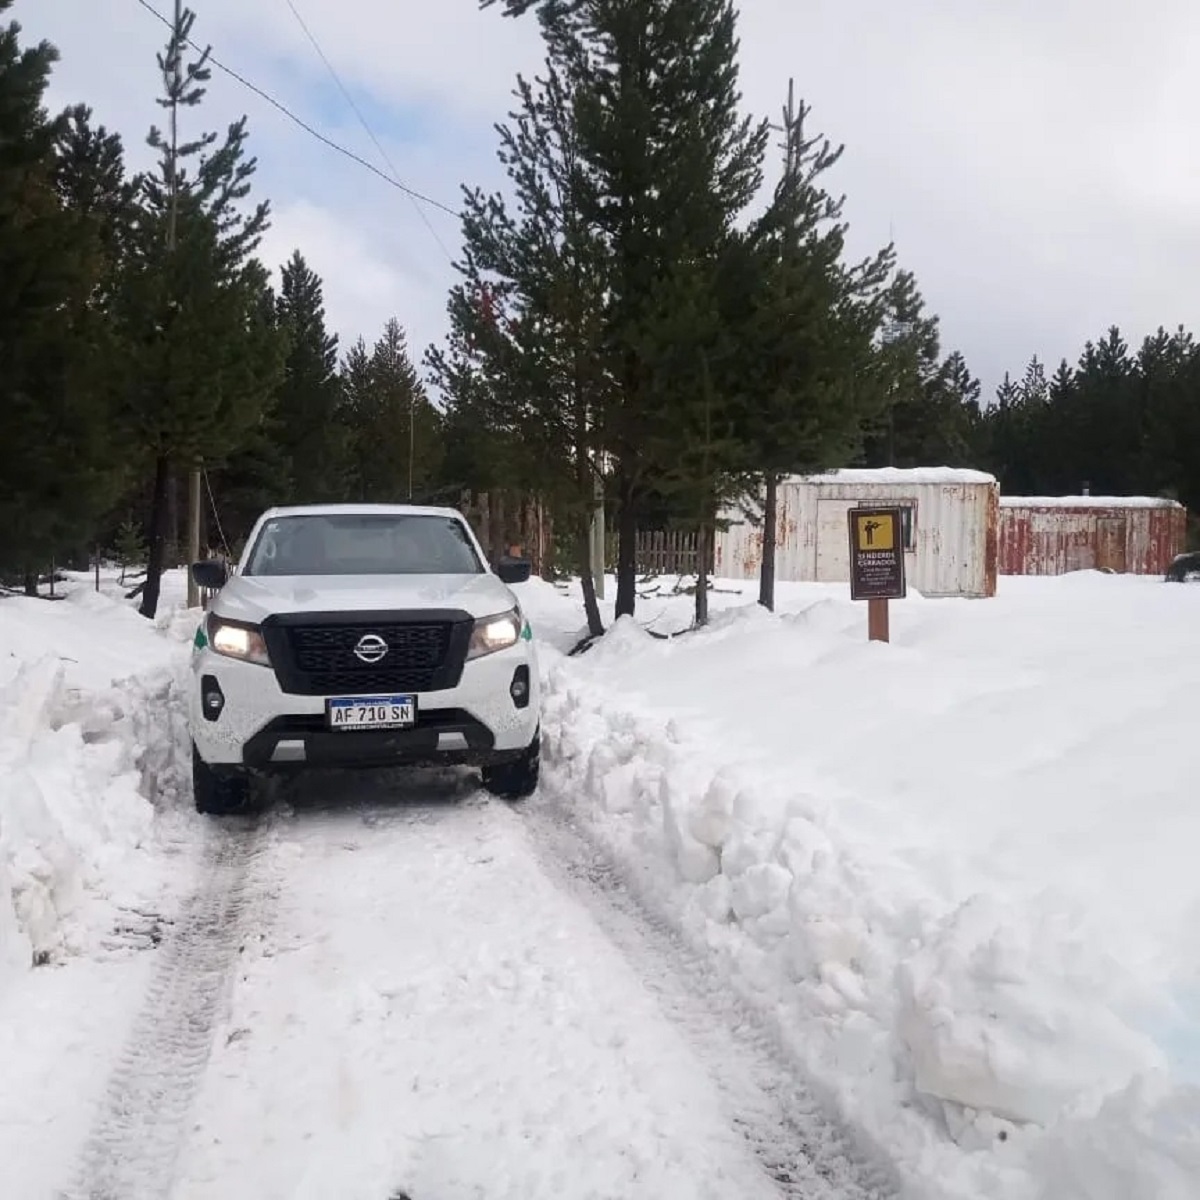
(1184, 568)
(362, 636)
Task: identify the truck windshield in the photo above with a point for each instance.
(363, 544)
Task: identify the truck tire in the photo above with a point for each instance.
(219, 793)
(516, 780)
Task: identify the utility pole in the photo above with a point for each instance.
(412, 440)
(193, 592)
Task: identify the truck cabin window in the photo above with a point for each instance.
(363, 544)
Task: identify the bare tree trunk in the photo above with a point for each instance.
(500, 531)
(158, 519)
(766, 575)
(485, 521)
(591, 606)
(626, 554)
(703, 535)
(173, 538)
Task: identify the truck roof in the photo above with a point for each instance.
(334, 510)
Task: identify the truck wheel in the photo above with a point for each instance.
(219, 793)
(516, 780)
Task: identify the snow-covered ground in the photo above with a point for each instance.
(88, 864)
(426, 1009)
(950, 882)
(388, 986)
(960, 870)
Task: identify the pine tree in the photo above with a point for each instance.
(1109, 428)
(481, 452)
(354, 394)
(36, 273)
(257, 474)
(808, 364)
(307, 400)
(129, 546)
(524, 374)
(1182, 415)
(964, 386)
(704, 472)
(1034, 386)
(56, 465)
(671, 165)
(26, 193)
(1062, 383)
(395, 432)
(1168, 367)
(931, 417)
(252, 478)
(1117, 422)
(1008, 393)
(1009, 439)
(97, 197)
(204, 354)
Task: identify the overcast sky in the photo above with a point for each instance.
(1037, 161)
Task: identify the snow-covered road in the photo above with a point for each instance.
(978, 941)
(421, 992)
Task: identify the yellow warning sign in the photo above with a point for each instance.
(875, 531)
(876, 553)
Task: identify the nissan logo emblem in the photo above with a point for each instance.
(370, 648)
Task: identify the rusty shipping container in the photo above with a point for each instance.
(1051, 535)
(950, 521)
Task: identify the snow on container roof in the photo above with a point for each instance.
(1087, 502)
(897, 476)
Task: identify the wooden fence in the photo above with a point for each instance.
(665, 552)
(498, 516)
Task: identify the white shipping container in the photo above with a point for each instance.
(950, 521)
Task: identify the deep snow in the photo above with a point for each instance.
(959, 868)
(86, 737)
(956, 872)
(89, 732)
(426, 1011)
(375, 990)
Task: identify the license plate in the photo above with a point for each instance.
(372, 712)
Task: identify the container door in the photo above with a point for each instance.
(1110, 544)
(833, 539)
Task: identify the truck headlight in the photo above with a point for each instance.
(494, 633)
(233, 639)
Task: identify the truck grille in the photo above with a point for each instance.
(320, 658)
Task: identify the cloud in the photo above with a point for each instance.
(363, 286)
(1032, 158)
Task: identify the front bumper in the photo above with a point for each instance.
(444, 737)
(259, 726)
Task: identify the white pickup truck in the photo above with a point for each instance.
(359, 635)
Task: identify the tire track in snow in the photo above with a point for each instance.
(135, 1140)
(808, 1154)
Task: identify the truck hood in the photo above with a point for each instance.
(254, 598)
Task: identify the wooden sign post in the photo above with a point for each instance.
(877, 564)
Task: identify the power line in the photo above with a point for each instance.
(316, 45)
(412, 193)
(212, 500)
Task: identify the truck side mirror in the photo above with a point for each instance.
(514, 570)
(210, 575)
